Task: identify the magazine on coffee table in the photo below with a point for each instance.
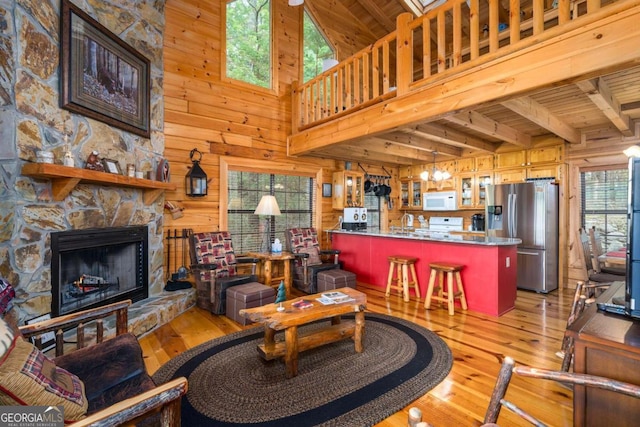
(334, 298)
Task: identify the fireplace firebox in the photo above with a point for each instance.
(94, 267)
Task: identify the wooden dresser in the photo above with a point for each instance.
(607, 345)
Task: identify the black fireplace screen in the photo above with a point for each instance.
(90, 268)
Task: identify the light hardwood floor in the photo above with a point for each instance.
(531, 334)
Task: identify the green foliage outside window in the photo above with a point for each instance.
(315, 49)
(249, 41)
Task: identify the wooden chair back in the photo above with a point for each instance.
(583, 238)
(508, 368)
(596, 248)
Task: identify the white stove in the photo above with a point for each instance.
(445, 224)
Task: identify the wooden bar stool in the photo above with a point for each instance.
(439, 269)
(401, 265)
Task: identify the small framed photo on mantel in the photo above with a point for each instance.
(112, 166)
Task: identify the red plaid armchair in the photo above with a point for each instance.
(215, 268)
(310, 259)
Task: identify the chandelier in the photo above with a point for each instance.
(435, 174)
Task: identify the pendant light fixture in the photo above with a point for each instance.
(295, 2)
(435, 175)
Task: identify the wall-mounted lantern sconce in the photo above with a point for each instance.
(195, 182)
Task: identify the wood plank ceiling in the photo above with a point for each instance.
(604, 107)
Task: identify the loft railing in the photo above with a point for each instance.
(399, 63)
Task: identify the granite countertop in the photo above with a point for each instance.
(439, 237)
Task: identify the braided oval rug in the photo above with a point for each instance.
(230, 385)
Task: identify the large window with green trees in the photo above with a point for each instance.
(316, 48)
(248, 41)
(604, 205)
(295, 196)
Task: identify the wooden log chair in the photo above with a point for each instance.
(310, 259)
(104, 383)
(215, 267)
(572, 379)
(596, 282)
(577, 307)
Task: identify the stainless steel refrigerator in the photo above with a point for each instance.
(528, 211)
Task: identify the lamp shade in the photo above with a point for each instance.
(295, 2)
(633, 151)
(329, 63)
(195, 181)
(268, 206)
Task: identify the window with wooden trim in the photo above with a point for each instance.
(249, 42)
(604, 201)
(295, 196)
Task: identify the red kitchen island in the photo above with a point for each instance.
(489, 276)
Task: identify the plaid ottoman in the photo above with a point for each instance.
(334, 279)
(249, 295)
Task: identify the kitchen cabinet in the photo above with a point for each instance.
(531, 157)
(411, 193)
(348, 189)
(412, 171)
(474, 164)
(466, 165)
(472, 189)
(545, 155)
(511, 159)
(522, 174)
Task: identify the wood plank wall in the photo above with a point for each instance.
(221, 117)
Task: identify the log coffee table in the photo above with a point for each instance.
(292, 317)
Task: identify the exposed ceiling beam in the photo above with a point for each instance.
(379, 15)
(362, 154)
(630, 107)
(540, 115)
(410, 138)
(485, 125)
(600, 94)
(449, 136)
(391, 148)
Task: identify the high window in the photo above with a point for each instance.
(295, 196)
(604, 205)
(248, 41)
(316, 48)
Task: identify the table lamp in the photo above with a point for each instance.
(268, 206)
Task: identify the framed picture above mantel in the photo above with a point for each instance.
(102, 77)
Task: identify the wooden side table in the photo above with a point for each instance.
(266, 268)
(606, 345)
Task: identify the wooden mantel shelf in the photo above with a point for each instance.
(64, 179)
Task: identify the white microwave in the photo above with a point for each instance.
(440, 201)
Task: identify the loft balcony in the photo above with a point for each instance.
(458, 82)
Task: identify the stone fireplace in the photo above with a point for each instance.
(95, 267)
